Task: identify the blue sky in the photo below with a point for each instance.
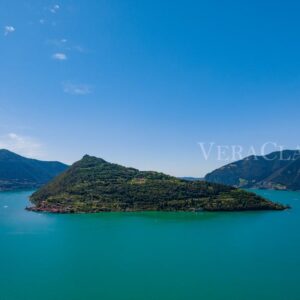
(141, 83)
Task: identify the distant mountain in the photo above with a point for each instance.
(191, 178)
(93, 185)
(18, 172)
(278, 170)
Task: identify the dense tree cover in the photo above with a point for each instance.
(278, 170)
(18, 172)
(93, 185)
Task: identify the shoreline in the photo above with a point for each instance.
(277, 207)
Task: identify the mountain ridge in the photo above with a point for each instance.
(277, 170)
(18, 172)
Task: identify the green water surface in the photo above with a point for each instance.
(249, 255)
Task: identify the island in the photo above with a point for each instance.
(94, 185)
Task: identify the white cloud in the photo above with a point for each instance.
(54, 9)
(22, 145)
(9, 29)
(77, 89)
(59, 56)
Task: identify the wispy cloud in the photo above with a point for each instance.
(8, 29)
(64, 45)
(59, 56)
(57, 43)
(80, 49)
(54, 9)
(23, 145)
(77, 89)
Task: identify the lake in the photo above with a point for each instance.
(152, 255)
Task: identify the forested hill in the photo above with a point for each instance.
(94, 185)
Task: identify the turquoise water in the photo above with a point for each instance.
(251, 255)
